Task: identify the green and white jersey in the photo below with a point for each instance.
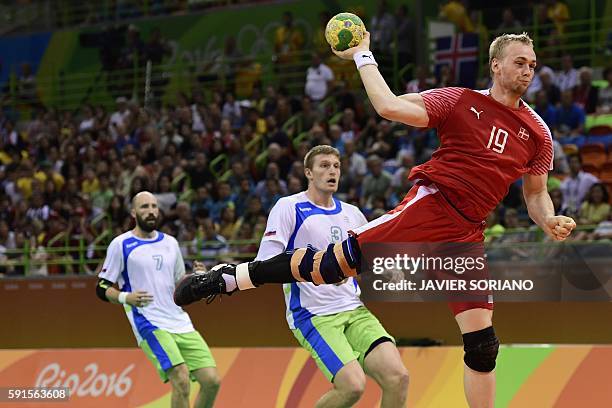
(296, 222)
(151, 265)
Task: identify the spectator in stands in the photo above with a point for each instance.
(406, 162)
(596, 206)
(319, 42)
(232, 111)
(405, 37)
(552, 91)
(604, 102)
(119, 118)
(349, 125)
(275, 134)
(272, 194)
(319, 79)
(556, 196)
(558, 13)
(228, 224)
(38, 210)
(421, 82)
(288, 43)
(279, 156)
(202, 201)
(212, 246)
(7, 243)
(376, 183)
(272, 171)
(603, 230)
(182, 225)
(166, 198)
(585, 94)
(335, 138)
(456, 12)
(357, 163)
(494, 228)
(444, 77)
(224, 198)
(536, 84)
(509, 24)
(381, 29)
(26, 86)
(570, 117)
(309, 115)
(88, 120)
(561, 165)
(567, 78)
(103, 196)
(576, 185)
(513, 222)
(10, 136)
(545, 109)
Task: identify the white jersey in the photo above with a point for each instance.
(296, 222)
(151, 265)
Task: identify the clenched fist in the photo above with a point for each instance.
(559, 227)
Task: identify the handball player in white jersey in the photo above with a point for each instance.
(146, 264)
(330, 321)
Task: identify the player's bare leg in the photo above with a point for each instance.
(349, 384)
(179, 379)
(384, 365)
(208, 378)
(479, 385)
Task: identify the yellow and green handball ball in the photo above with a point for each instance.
(344, 30)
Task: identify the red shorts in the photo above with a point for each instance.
(424, 216)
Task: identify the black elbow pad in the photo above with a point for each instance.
(101, 287)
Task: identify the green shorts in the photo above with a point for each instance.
(336, 339)
(166, 350)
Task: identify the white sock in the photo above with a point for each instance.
(230, 282)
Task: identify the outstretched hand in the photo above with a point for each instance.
(364, 45)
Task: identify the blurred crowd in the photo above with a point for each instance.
(217, 163)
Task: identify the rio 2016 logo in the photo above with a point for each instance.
(94, 384)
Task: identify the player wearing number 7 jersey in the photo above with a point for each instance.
(488, 140)
(145, 264)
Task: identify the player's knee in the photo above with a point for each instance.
(351, 383)
(353, 390)
(396, 378)
(179, 378)
(211, 381)
(481, 348)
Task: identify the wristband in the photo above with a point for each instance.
(362, 58)
(122, 297)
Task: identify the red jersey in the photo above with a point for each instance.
(484, 147)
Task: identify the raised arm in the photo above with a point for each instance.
(408, 108)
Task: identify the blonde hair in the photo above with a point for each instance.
(496, 50)
(316, 151)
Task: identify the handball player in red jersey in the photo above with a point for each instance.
(488, 139)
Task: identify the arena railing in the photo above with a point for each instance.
(164, 82)
(80, 257)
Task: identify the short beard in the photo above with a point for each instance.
(143, 225)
